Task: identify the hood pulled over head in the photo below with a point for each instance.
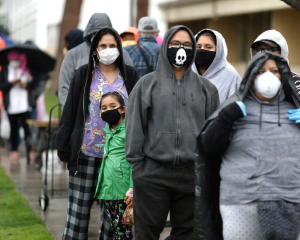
(274, 36)
(96, 22)
(163, 65)
(220, 60)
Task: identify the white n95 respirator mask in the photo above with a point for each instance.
(267, 84)
(108, 55)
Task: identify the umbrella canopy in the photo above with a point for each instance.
(38, 61)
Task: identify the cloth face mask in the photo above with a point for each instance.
(204, 58)
(179, 57)
(112, 117)
(267, 84)
(108, 55)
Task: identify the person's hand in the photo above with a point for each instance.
(24, 85)
(294, 115)
(66, 163)
(15, 82)
(129, 201)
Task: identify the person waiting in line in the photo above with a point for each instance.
(115, 178)
(253, 138)
(81, 135)
(212, 64)
(79, 55)
(145, 53)
(166, 111)
(72, 39)
(129, 37)
(16, 82)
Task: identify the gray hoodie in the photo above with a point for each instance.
(221, 73)
(275, 36)
(79, 55)
(165, 115)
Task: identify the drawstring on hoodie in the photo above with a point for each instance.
(260, 119)
(279, 125)
(278, 113)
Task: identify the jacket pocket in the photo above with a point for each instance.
(119, 171)
(187, 146)
(163, 146)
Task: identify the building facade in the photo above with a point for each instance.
(240, 22)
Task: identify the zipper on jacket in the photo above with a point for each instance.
(177, 123)
(84, 123)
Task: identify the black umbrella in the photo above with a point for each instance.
(38, 61)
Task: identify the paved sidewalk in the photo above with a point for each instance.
(29, 182)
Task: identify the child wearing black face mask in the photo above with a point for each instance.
(115, 176)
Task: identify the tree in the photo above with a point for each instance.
(70, 20)
(142, 10)
(293, 3)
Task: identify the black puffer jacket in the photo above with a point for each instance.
(208, 222)
(71, 128)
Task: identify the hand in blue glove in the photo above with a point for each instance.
(294, 115)
(242, 107)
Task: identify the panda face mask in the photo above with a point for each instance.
(180, 57)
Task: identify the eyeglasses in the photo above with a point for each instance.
(269, 49)
(177, 44)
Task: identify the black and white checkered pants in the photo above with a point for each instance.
(82, 187)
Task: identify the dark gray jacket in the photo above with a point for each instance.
(79, 55)
(165, 115)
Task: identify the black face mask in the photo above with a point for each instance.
(112, 117)
(204, 58)
(180, 57)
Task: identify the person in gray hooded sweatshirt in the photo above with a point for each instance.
(166, 111)
(79, 56)
(211, 63)
(255, 142)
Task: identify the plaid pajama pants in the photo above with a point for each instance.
(82, 187)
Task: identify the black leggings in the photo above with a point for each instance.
(14, 128)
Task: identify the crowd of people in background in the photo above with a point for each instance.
(166, 126)
(214, 151)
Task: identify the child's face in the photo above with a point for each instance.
(110, 103)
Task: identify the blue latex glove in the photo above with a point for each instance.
(242, 107)
(294, 115)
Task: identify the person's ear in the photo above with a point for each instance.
(122, 110)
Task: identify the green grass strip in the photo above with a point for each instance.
(17, 220)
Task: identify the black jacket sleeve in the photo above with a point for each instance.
(215, 138)
(132, 78)
(68, 119)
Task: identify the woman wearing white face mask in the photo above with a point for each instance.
(256, 147)
(81, 135)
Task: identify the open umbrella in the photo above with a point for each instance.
(38, 61)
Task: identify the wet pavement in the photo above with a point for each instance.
(30, 181)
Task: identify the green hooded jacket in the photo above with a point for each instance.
(115, 177)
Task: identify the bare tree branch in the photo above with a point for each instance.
(293, 3)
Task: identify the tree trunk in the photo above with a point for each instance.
(293, 3)
(142, 10)
(70, 20)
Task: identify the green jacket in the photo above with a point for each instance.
(115, 176)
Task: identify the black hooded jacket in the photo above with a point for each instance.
(71, 128)
(208, 222)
